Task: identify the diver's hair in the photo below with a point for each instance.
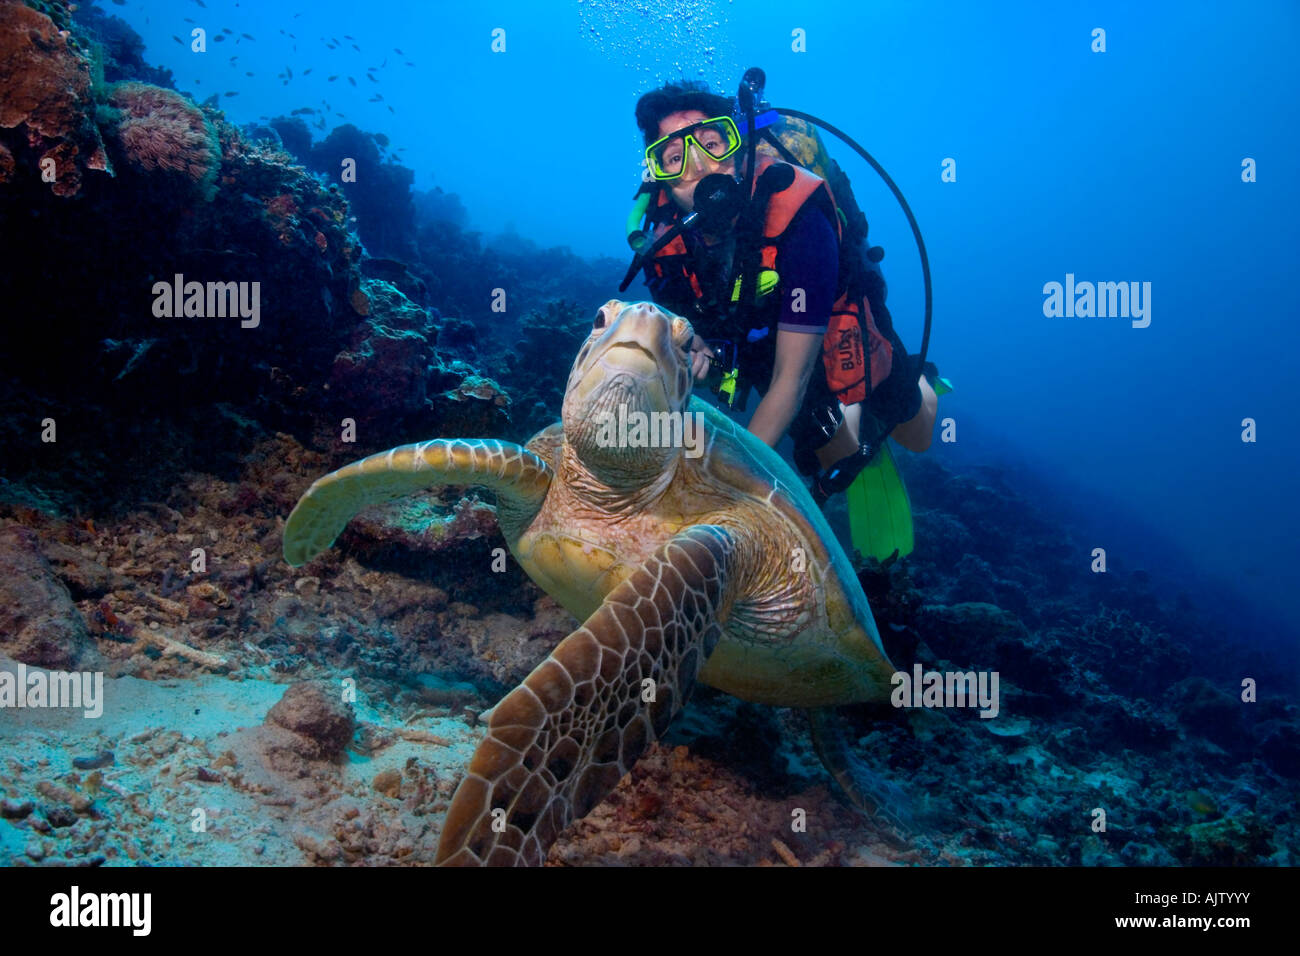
(675, 98)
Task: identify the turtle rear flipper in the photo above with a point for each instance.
(885, 802)
(562, 740)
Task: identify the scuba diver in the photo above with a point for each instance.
(751, 232)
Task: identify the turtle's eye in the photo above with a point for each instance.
(599, 322)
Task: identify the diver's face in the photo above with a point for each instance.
(697, 163)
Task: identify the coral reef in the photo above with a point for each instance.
(321, 350)
(39, 624)
(47, 102)
(392, 383)
(160, 130)
(536, 369)
(118, 51)
(380, 194)
(378, 188)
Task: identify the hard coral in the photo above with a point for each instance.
(6, 164)
(46, 86)
(281, 208)
(162, 130)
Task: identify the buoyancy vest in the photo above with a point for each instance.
(852, 347)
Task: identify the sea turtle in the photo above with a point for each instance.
(691, 563)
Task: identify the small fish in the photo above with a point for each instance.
(227, 31)
(376, 98)
(288, 72)
(371, 78)
(333, 78)
(188, 20)
(357, 48)
(231, 93)
(346, 37)
(233, 59)
(248, 74)
(219, 38)
(398, 52)
(352, 81)
(248, 36)
(1201, 803)
(409, 63)
(120, 3)
(391, 110)
(178, 39)
(308, 70)
(201, 3)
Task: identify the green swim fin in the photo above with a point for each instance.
(880, 513)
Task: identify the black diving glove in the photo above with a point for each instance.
(840, 475)
(898, 398)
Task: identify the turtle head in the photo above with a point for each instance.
(633, 367)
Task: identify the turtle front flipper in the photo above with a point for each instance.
(559, 742)
(519, 478)
(885, 802)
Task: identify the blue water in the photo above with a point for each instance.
(1115, 166)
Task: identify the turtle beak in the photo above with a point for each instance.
(639, 343)
(638, 350)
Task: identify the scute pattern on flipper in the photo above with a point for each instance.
(561, 741)
(520, 478)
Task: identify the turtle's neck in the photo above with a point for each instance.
(622, 493)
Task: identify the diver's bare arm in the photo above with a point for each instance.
(915, 433)
(797, 355)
